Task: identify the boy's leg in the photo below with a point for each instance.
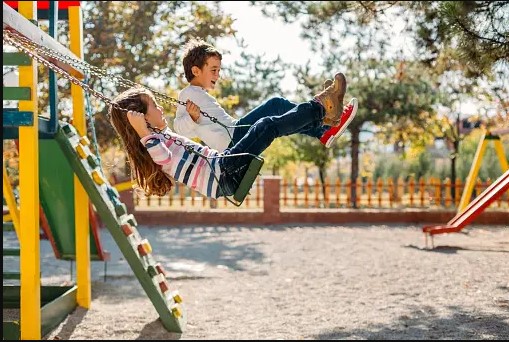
(272, 107)
(318, 132)
(328, 134)
(261, 134)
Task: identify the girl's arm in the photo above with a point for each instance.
(158, 151)
(137, 120)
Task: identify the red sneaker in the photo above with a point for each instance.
(330, 135)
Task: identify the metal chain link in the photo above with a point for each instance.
(102, 74)
(9, 39)
(82, 65)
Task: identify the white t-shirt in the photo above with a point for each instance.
(213, 134)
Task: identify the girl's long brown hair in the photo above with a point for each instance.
(148, 175)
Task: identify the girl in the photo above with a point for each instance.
(158, 156)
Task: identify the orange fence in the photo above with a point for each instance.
(387, 193)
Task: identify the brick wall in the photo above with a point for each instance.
(272, 214)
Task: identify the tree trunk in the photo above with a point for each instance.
(355, 131)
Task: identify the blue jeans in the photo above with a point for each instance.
(272, 107)
(300, 118)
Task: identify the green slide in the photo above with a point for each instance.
(122, 227)
(56, 192)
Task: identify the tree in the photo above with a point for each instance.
(389, 95)
(309, 149)
(384, 100)
(476, 33)
(253, 79)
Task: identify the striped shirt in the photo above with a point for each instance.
(185, 167)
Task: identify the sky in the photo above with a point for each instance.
(259, 32)
(264, 36)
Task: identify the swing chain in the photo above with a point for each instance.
(7, 37)
(189, 148)
(85, 86)
(79, 64)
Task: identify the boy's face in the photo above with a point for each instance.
(207, 76)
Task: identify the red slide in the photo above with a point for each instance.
(476, 207)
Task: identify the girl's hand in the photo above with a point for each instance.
(193, 110)
(137, 120)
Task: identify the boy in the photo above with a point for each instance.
(202, 66)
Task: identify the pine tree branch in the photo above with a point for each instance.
(476, 35)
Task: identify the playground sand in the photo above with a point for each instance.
(302, 282)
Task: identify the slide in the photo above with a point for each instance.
(122, 226)
(56, 192)
(476, 207)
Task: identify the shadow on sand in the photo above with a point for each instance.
(454, 249)
(425, 324)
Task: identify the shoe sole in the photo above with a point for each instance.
(333, 138)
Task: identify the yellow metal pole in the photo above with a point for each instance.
(472, 175)
(499, 148)
(82, 226)
(30, 278)
(11, 202)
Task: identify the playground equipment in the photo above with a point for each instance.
(56, 187)
(43, 308)
(467, 212)
(476, 164)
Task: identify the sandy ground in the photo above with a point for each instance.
(302, 282)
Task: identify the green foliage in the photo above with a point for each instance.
(394, 166)
(253, 80)
(420, 166)
(390, 165)
(423, 164)
(474, 33)
(281, 152)
(311, 150)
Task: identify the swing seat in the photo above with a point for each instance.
(247, 181)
